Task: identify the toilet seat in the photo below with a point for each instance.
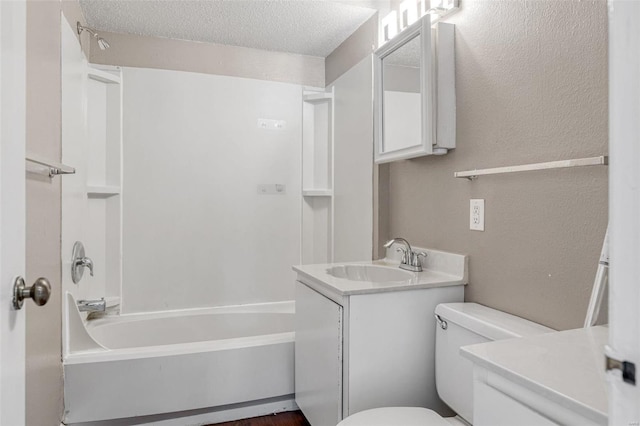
(395, 416)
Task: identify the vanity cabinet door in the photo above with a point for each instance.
(318, 357)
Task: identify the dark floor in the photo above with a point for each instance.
(290, 418)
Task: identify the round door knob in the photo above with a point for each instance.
(39, 292)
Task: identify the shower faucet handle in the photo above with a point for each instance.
(86, 262)
(79, 262)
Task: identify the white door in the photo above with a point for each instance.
(12, 208)
(624, 207)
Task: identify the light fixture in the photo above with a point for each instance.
(423, 6)
(102, 43)
(389, 26)
(408, 13)
(437, 7)
(411, 11)
(437, 11)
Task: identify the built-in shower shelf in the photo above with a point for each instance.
(317, 192)
(102, 191)
(317, 175)
(103, 76)
(315, 97)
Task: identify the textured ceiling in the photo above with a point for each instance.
(307, 27)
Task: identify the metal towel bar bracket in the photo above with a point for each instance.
(47, 168)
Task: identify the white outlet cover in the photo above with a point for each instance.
(476, 215)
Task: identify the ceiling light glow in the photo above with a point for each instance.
(389, 26)
(408, 13)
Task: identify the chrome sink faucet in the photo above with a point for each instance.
(410, 259)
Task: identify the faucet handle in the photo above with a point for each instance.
(415, 258)
(88, 263)
(79, 262)
(404, 254)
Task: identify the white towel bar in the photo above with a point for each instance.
(602, 160)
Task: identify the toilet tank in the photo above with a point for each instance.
(468, 324)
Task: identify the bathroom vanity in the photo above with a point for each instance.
(550, 379)
(365, 334)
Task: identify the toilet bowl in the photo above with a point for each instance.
(458, 324)
(401, 416)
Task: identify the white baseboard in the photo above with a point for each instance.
(206, 416)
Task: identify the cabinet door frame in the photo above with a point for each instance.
(318, 356)
(624, 207)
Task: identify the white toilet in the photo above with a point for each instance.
(459, 324)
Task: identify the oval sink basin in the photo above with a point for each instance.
(372, 273)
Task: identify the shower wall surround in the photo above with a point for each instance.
(197, 229)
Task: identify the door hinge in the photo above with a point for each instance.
(628, 369)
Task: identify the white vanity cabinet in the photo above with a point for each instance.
(362, 346)
(318, 361)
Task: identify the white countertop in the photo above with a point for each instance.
(566, 367)
(440, 269)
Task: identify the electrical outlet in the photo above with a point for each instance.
(476, 215)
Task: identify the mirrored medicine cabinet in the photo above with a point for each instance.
(414, 93)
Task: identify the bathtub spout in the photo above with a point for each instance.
(92, 305)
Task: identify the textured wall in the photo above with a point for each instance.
(180, 55)
(531, 86)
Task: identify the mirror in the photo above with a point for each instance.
(403, 96)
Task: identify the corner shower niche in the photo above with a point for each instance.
(104, 175)
(317, 175)
(92, 199)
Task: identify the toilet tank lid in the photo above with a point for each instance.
(487, 322)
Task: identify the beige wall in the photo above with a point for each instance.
(44, 389)
(353, 50)
(180, 55)
(353, 176)
(73, 13)
(531, 86)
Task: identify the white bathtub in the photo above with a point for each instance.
(218, 360)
